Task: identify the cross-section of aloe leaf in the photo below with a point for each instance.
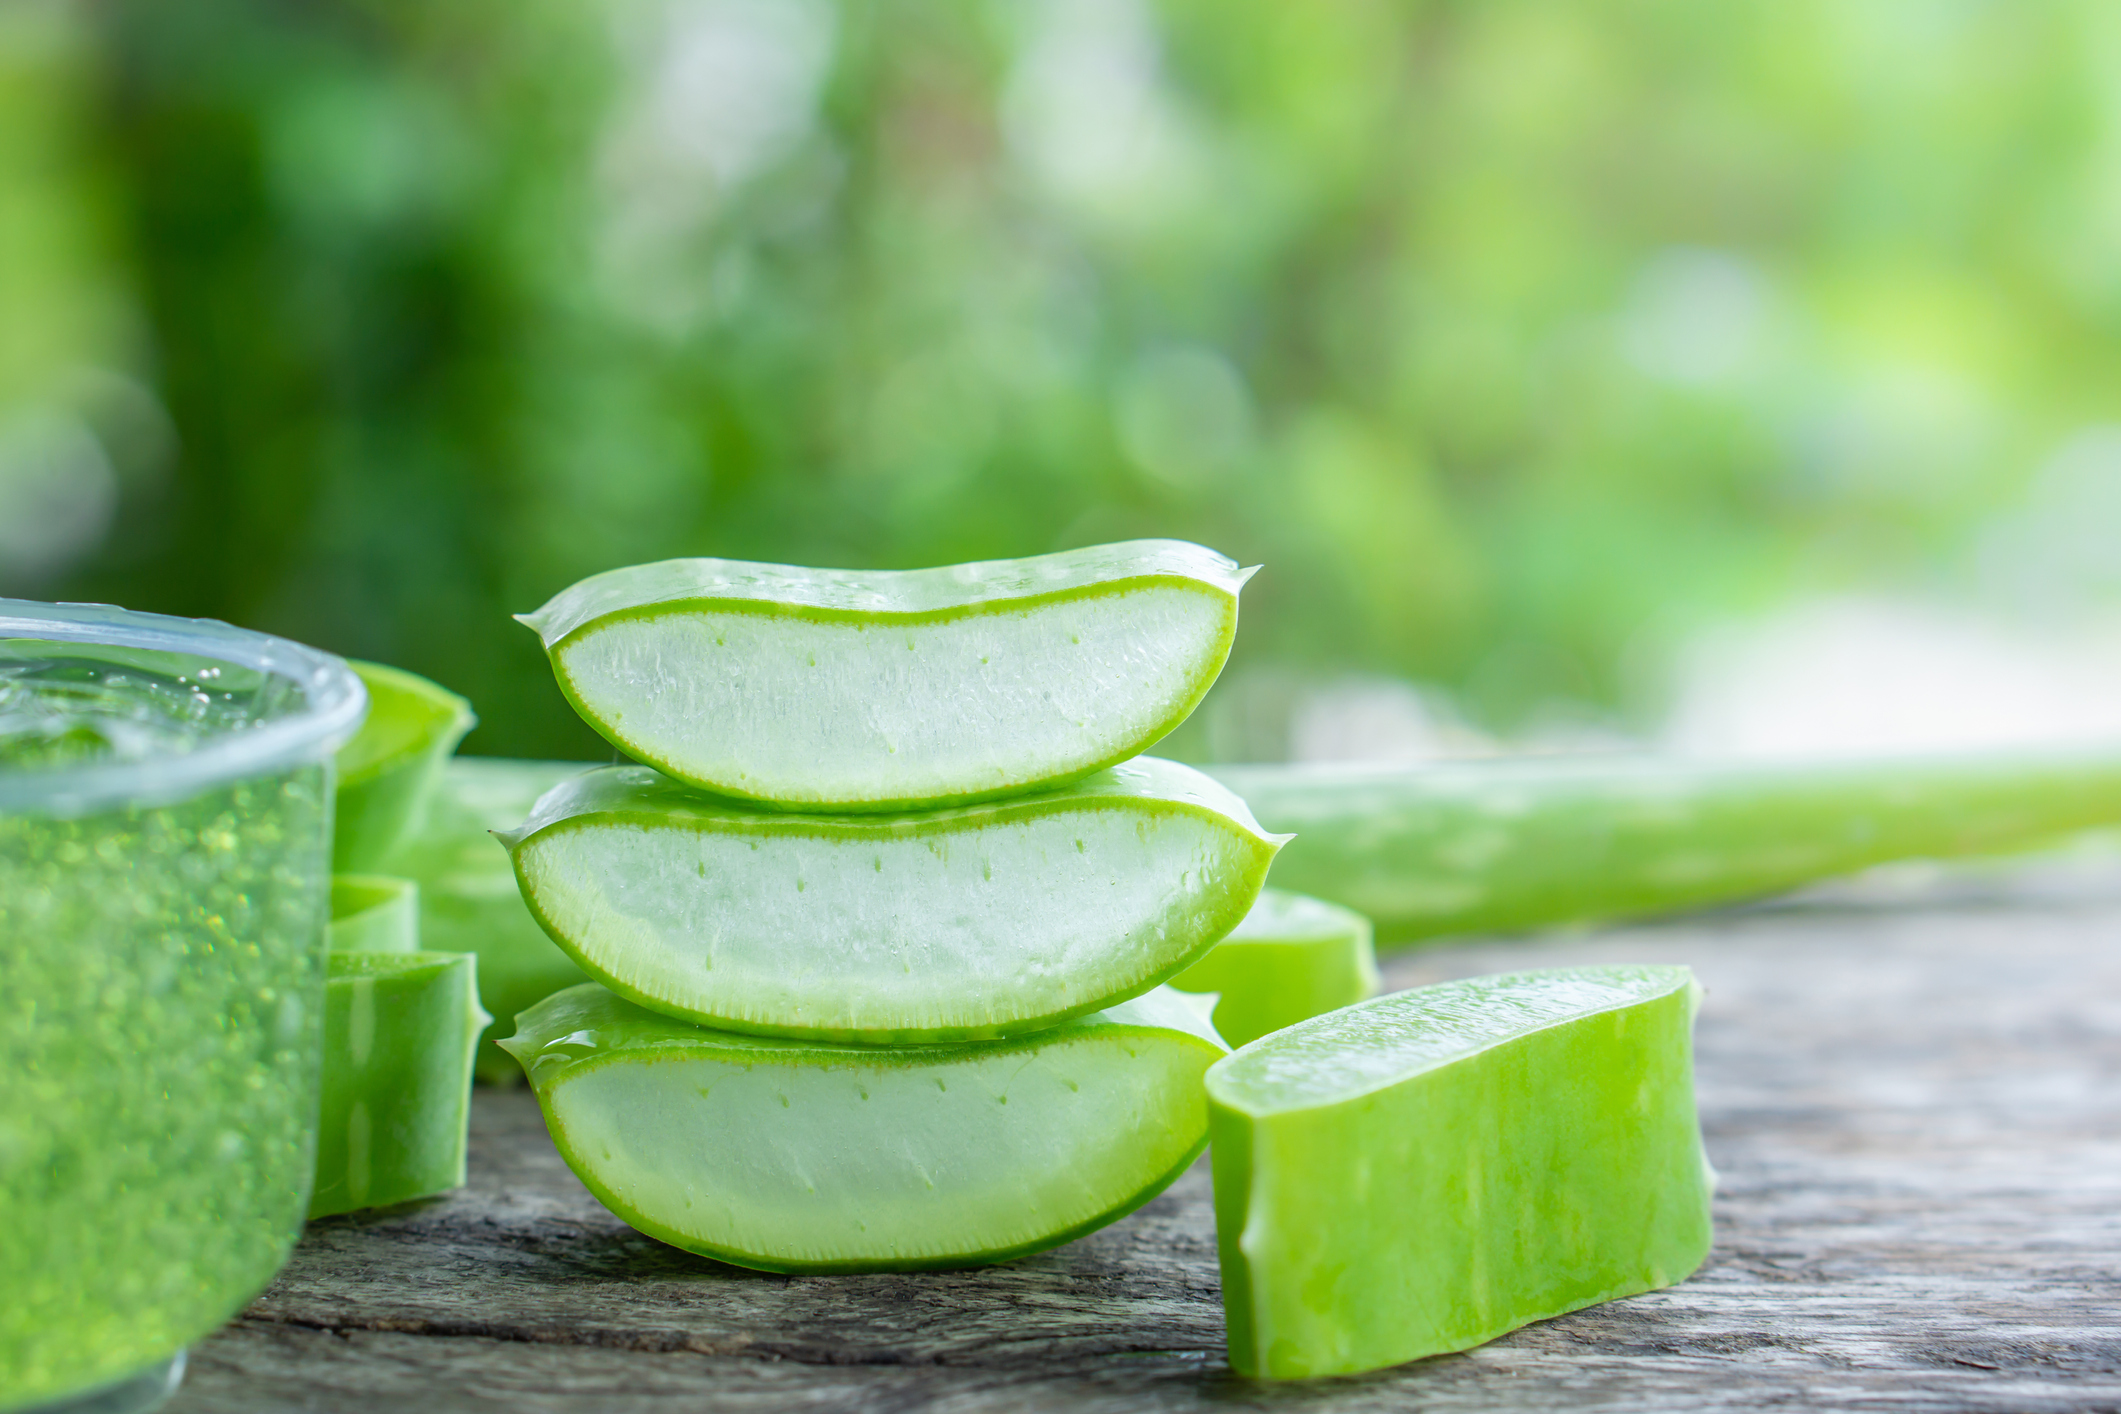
(843, 690)
(387, 771)
(805, 1156)
(977, 921)
(399, 1032)
(1423, 1172)
(374, 913)
(469, 901)
(1292, 958)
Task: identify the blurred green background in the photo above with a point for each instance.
(1518, 340)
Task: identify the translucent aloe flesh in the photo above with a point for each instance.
(977, 921)
(1293, 957)
(399, 1034)
(1462, 847)
(818, 689)
(1424, 1172)
(389, 768)
(468, 898)
(801, 1156)
(374, 913)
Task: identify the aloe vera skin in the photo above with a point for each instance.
(374, 913)
(842, 690)
(388, 770)
(963, 924)
(1424, 1172)
(400, 1030)
(1466, 847)
(469, 901)
(803, 1156)
(1293, 957)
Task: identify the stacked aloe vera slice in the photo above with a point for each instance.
(879, 929)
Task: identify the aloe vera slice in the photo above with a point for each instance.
(399, 1032)
(469, 901)
(805, 1156)
(979, 921)
(1461, 847)
(1423, 1172)
(1292, 958)
(390, 766)
(839, 690)
(374, 913)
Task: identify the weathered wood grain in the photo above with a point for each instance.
(1915, 1108)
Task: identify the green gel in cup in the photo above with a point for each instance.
(811, 1156)
(1486, 846)
(165, 817)
(374, 913)
(387, 772)
(469, 901)
(1424, 1172)
(850, 690)
(960, 924)
(1291, 958)
(400, 1031)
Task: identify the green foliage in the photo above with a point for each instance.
(1514, 338)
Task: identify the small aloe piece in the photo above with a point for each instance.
(374, 913)
(1481, 846)
(949, 925)
(399, 1032)
(846, 690)
(389, 768)
(805, 1156)
(468, 897)
(1423, 1172)
(1292, 958)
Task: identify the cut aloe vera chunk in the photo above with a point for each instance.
(374, 913)
(469, 901)
(1423, 1172)
(979, 921)
(1479, 846)
(894, 689)
(389, 768)
(1292, 958)
(399, 1031)
(801, 1156)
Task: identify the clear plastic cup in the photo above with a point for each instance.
(165, 859)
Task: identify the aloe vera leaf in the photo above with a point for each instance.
(1424, 1172)
(469, 901)
(374, 913)
(1462, 847)
(399, 1034)
(1292, 957)
(389, 768)
(807, 1156)
(842, 690)
(949, 925)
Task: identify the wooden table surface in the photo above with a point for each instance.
(1913, 1100)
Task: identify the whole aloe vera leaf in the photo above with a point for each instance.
(947, 925)
(845, 690)
(388, 770)
(399, 1032)
(1423, 1172)
(1477, 846)
(374, 913)
(1291, 958)
(806, 1156)
(469, 901)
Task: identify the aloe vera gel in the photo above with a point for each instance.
(165, 808)
(916, 688)
(986, 920)
(804, 1156)
(1423, 1172)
